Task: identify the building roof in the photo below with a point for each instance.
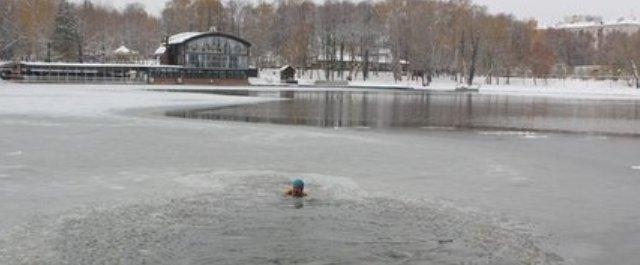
(160, 51)
(623, 21)
(578, 25)
(285, 67)
(123, 50)
(182, 37)
(187, 36)
(590, 24)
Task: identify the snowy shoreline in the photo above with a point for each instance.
(572, 89)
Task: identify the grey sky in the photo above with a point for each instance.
(546, 11)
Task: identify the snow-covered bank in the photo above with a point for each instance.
(580, 89)
(579, 92)
(567, 88)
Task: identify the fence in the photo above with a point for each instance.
(386, 77)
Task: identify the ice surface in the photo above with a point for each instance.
(85, 180)
(67, 100)
(249, 222)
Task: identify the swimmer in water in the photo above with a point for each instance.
(296, 190)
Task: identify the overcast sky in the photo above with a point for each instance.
(548, 12)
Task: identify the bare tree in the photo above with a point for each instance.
(424, 37)
(636, 76)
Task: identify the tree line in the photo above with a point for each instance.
(453, 37)
(63, 31)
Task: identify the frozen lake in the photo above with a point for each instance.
(97, 175)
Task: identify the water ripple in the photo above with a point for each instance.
(231, 226)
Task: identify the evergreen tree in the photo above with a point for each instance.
(66, 35)
(7, 40)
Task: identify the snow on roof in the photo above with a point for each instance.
(160, 51)
(577, 25)
(590, 24)
(284, 67)
(623, 21)
(181, 37)
(543, 27)
(124, 50)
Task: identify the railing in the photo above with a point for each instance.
(83, 75)
(81, 79)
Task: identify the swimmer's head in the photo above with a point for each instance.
(298, 184)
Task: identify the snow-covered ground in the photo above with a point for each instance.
(84, 179)
(573, 88)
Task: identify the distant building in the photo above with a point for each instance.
(622, 25)
(597, 28)
(602, 28)
(207, 57)
(207, 50)
(591, 71)
(212, 58)
(287, 74)
(159, 53)
(125, 55)
(592, 27)
(378, 59)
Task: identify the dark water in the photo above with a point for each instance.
(387, 109)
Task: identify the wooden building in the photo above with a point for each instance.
(211, 58)
(288, 74)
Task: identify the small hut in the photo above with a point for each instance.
(125, 55)
(159, 54)
(288, 74)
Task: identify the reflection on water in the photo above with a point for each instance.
(430, 109)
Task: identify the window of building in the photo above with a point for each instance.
(216, 52)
